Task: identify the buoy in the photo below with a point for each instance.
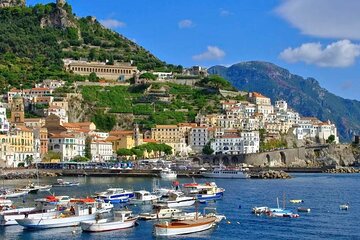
(73, 232)
(238, 222)
(228, 222)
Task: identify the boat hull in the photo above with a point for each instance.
(54, 222)
(174, 204)
(238, 175)
(167, 231)
(209, 197)
(10, 217)
(102, 226)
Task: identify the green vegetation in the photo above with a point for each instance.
(88, 147)
(104, 122)
(148, 75)
(51, 155)
(80, 159)
(217, 82)
(207, 149)
(330, 139)
(30, 53)
(138, 151)
(273, 144)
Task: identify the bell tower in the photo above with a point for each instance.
(17, 110)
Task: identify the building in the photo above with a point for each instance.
(34, 122)
(22, 146)
(258, 99)
(116, 72)
(60, 112)
(101, 151)
(69, 145)
(52, 84)
(42, 141)
(121, 139)
(172, 135)
(17, 110)
(198, 138)
(235, 143)
(4, 123)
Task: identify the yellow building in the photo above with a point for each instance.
(121, 139)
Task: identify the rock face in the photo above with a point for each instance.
(12, 3)
(334, 155)
(59, 18)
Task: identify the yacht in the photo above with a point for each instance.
(143, 197)
(116, 195)
(226, 173)
(168, 174)
(204, 192)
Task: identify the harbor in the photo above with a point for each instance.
(238, 200)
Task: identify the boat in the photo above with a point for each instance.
(259, 210)
(204, 192)
(5, 202)
(16, 193)
(220, 172)
(176, 199)
(344, 206)
(187, 226)
(303, 209)
(296, 201)
(281, 212)
(166, 213)
(163, 192)
(168, 173)
(121, 220)
(116, 195)
(143, 197)
(62, 183)
(42, 209)
(80, 210)
(30, 188)
(44, 188)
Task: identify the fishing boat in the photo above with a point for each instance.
(281, 212)
(5, 202)
(16, 193)
(176, 199)
(62, 183)
(221, 172)
(116, 195)
(296, 201)
(168, 174)
(121, 220)
(163, 192)
(167, 213)
(179, 227)
(143, 197)
(204, 192)
(43, 209)
(259, 210)
(80, 210)
(30, 188)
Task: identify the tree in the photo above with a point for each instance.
(29, 160)
(124, 152)
(88, 147)
(51, 155)
(148, 75)
(79, 159)
(331, 139)
(207, 149)
(93, 77)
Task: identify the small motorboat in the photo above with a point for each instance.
(344, 206)
(62, 183)
(168, 174)
(167, 213)
(204, 192)
(296, 201)
(5, 202)
(116, 195)
(303, 209)
(176, 199)
(280, 212)
(16, 193)
(121, 220)
(144, 197)
(259, 210)
(44, 188)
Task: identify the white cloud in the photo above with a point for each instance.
(337, 54)
(186, 23)
(225, 13)
(337, 19)
(212, 53)
(112, 23)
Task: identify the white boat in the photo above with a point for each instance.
(167, 213)
(197, 223)
(43, 209)
(204, 192)
(121, 220)
(81, 210)
(62, 183)
(162, 191)
(30, 188)
(44, 188)
(116, 195)
(168, 173)
(226, 173)
(176, 199)
(344, 206)
(143, 197)
(7, 193)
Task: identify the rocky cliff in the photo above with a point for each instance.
(12, 3)
(60, 17)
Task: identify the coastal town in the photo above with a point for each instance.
(239, 128)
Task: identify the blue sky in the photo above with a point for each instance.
(312, 38)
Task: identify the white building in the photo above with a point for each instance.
(198, 138)
(52, 84)
(60, 112)
(164, 75)
(314, 129)
(101, 151)
(234, 144)
(69, 145)
(4, 123)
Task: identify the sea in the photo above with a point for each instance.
(323, 193)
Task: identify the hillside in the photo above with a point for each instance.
(34, 40)
(304, 95)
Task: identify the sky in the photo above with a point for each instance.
(311, 38)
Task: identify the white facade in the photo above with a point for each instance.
(60, 112)
(233, 144)
(4, 123)
(281, 106)
(198, 138)
(101, 151)
(69, 145)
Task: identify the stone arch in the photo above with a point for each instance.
(283, 157)
(235, 160)
(268, 158)
(197, 160)
(216, 161)
(226, 161)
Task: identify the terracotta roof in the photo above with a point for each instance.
(149, 140)
(112, 138)
(121, 132)
(187, 124)
(166, 126)
(62, 135)
(23, 128)
(258, 95)
(41, 89)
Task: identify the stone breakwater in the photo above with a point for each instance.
(343, 170)
(25, 174)
(270, 175)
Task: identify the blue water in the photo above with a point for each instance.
(323, 193)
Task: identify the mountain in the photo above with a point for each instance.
(303, 95)
(34, 40)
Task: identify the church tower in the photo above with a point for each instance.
(17, 110)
